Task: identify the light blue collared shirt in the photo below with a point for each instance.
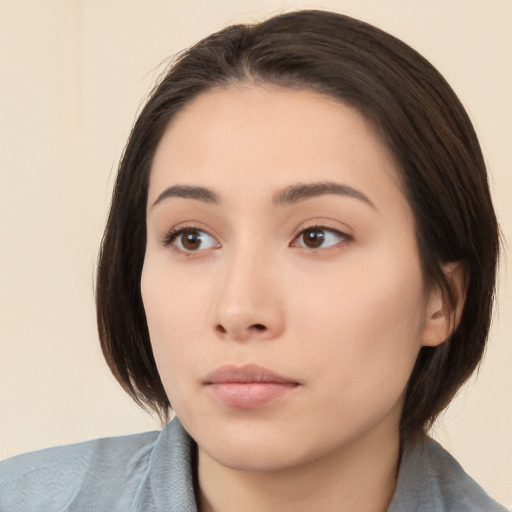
(155, 471)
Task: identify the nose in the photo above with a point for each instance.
(247, 304)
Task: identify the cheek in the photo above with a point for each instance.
(364, 341)
(174, 314)
(369, 316)
(174, 301)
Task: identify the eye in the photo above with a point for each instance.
(319, 237)
(190, 240)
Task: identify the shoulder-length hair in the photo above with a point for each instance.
(420, 119)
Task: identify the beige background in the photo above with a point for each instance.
(72, 75)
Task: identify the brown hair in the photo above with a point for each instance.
(441, 168)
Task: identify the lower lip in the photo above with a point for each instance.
(249, 395)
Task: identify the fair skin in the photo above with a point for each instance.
(278, 236)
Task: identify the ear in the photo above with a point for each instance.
(443, 317)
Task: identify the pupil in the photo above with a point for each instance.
(313, 238)
(191, 240)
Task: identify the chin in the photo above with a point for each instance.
(254, 458)
(262, 449)
(248, 448)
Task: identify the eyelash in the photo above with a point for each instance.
(301, 230)
(171, 236)
(173, 233)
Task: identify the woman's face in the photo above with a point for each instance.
(282, 283)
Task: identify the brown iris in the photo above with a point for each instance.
(191, 240)
(313, 238)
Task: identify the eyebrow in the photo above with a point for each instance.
(302, 192)
(290, 195)
(188, 192)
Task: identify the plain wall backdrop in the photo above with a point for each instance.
(72, 76)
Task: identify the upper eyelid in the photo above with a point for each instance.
(188, 225)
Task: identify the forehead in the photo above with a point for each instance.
(262, 138)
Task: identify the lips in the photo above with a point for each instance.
(247, 387)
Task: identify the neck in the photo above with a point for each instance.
(360, 477)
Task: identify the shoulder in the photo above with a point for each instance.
(458, 490)
(52, 478)
(431, 479)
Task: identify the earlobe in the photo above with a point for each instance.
(444, 309)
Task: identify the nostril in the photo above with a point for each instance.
(220, 329)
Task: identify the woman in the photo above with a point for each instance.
(300, 258)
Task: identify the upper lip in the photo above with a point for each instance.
(246, 374)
